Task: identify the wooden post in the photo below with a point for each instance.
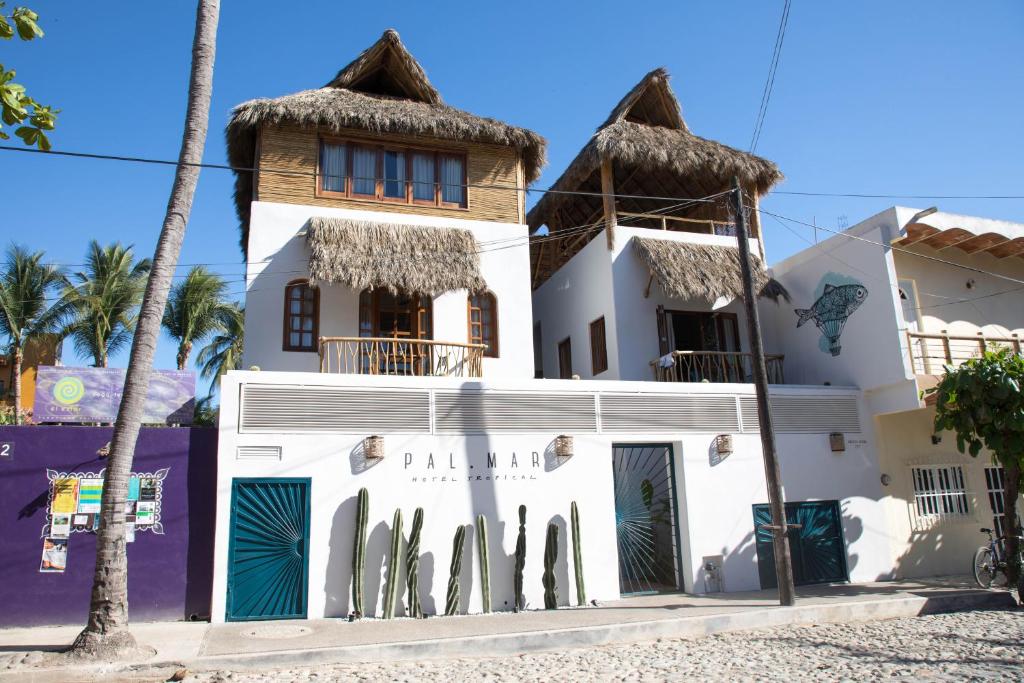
(1016, 343)
(783, 561)
(608, 196)
(945, 347)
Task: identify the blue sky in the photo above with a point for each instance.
(870, 97)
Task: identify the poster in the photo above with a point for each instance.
(60, 527)
(129, 533)
(65, 495)
(133, 488)
(55, 555)
(147, 489)
(144, 513)
(90, 493)
(66, 394)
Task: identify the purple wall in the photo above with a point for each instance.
(169, 575)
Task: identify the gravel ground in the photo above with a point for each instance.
(968, 645)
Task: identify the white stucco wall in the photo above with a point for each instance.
(573, 297)
(714, 495)
(278, 254)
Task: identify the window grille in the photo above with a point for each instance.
(940, 492)
(994, 487)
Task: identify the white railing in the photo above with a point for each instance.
(930, 352)
(699, 225)
(716, 366)
(397, 356)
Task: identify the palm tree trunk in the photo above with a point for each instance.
(1011, 491)
(106, 635)
(184, 350)
(19, 358)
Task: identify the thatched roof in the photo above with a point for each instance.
(701, 271)
(383, 91)
(646, 134)
(401, 258)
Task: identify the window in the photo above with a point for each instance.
(598, 349)
(939, 491)
(403, 175)
(565, 358)
(301, 316)
(994, 487)
(483, 322)
(538, 351)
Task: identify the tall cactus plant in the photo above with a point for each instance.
(359, 551)
(412, 566)
(391, 589)
(451, 605)
(485, 564)
(520, 599)
(577, 556)
(550, 556)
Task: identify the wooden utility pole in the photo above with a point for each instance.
(779, 529)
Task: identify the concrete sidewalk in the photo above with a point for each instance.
(260, 645)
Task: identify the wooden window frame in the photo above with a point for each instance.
(598, 361)
(378, 197)
(492, 349)
(567, 343)
(716, 320)
(285, 341)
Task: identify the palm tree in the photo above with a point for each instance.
(106, 296)
(106, 634)
(224, 352)
(27, 307)
(194, 310)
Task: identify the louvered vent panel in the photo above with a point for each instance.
(805, 414)
(282, 408)
(478, 412)
(259, 452)
(662, 413)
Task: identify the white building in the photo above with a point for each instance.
(388, 308)
(930, 295)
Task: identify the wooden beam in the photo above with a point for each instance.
(608, 195)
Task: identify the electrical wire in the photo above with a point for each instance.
(769, 84)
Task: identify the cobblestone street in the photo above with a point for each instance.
(986, 645)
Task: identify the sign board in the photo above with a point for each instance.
(94, 395)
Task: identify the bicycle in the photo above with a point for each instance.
(990, 561)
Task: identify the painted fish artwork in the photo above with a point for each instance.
(831, 311)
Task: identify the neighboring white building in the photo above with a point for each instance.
(922, 297)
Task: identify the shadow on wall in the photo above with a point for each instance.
(338, 585)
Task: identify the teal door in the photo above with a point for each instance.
(816, 547)
(645, 518)
(268, 553)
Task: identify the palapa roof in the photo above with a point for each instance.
(400, 258)
(646, 134)
(383, 91)
(701, 271)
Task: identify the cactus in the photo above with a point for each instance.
(451, 605)
(577, 557)
(550, 555)
(359, 551)
(412, 566)
(520, 599)
(485, 564)
(391, 590)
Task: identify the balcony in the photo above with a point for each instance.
(716, 366)
(400, 356)
(931, 352)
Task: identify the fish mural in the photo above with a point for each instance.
(831, 311)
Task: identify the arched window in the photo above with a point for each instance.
(483, 322)
(301, 316)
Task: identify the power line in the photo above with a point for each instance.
(862, 195)
(769, 84)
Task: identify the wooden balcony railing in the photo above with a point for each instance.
(716, 366)
(663, 221)
(396, 356)
(930, 352)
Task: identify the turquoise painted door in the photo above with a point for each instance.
(645, 518)
(817, 547)
(268, 554)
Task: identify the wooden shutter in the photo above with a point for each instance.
(663, 346)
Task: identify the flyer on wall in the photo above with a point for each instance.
(65, 495)
(60, 526)
(55, 555)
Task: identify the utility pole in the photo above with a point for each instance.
(779, 529)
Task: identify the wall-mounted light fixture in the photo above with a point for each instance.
(936, 439)
(886, 479)
(837, 441)
(723, 444)
(373, 447)
(563, 446)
